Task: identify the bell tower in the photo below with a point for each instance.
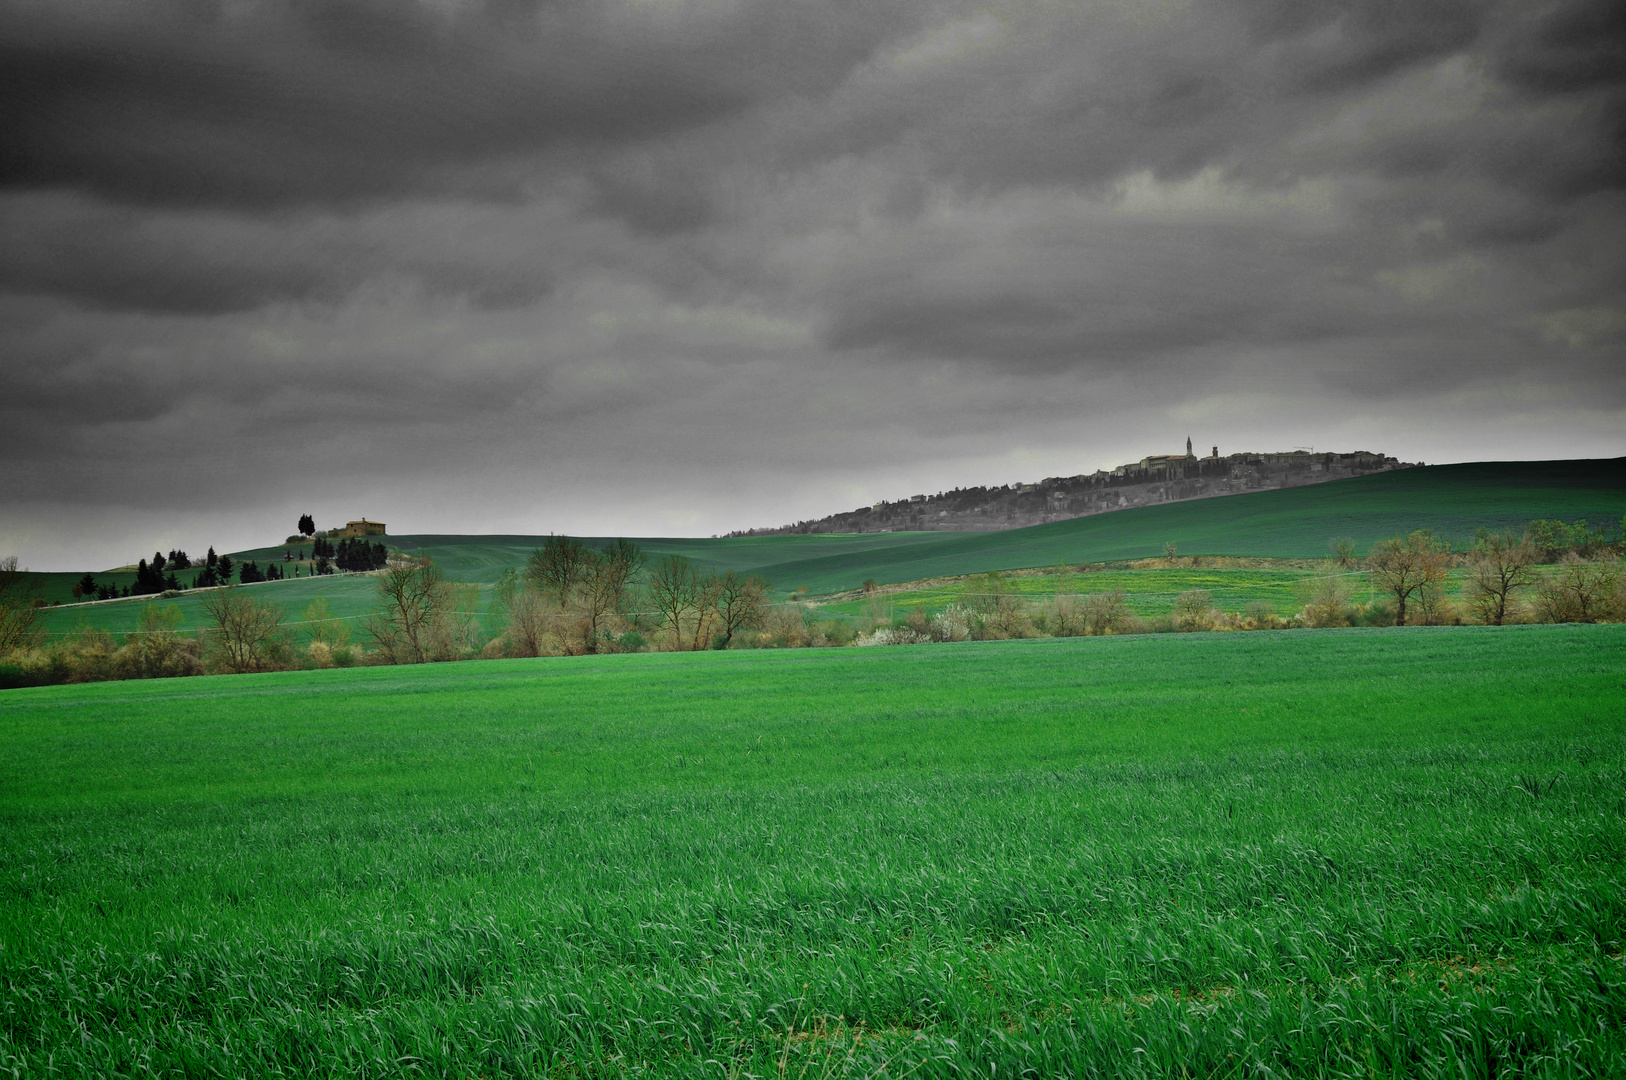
(1188, 446)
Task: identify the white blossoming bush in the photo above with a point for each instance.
(953, 623)
(888, 635)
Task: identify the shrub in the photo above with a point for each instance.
(1194, 610)
(1325, 599)
(953, 623)
(27, 667)
(918, 622)
(830, 632)
(1259, 615)
(1108, 613)
(85, 656)
(157, 650)
(1065, 618)
(893, 635)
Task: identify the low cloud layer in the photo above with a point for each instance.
(687, 267)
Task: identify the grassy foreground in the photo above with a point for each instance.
(1397, 852)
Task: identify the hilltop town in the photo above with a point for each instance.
(1158, 478)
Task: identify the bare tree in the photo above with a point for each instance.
(557, 567)
(416, 598)
(529, 624)
(324, 628)
(1194, 610)
(1432, 606)
(605, 577)
(999, 608)
(1578, 591)
(1343, 550)
(740, 603)
(675, 590)
(623, 560)
(246, 633)
(1108, 613)
(705, 611)
(1500, 564)
(527, 619)
(20, 608)
(1403, 565)
(455, 629)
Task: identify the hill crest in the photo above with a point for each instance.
(1153, 480)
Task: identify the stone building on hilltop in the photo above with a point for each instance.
(362, 528)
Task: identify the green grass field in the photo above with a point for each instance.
(348, 597)
(1368, 852)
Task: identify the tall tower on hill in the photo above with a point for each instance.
(1188, 446)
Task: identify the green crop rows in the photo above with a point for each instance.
(1149, 591)
(1365, 852)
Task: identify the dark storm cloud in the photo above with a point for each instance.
(264, 105)
(123, 259)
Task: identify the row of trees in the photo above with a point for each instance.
(1501, 570)
(571, 598)
(159, 575)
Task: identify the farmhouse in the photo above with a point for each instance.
(362, 528)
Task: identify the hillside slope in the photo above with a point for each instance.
(1452, 500)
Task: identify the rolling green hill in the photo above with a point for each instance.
(1452, 500)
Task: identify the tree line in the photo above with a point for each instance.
(570, 599)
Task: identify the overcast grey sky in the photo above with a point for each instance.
(663, 268)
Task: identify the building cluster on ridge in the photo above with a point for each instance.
(1156, 478)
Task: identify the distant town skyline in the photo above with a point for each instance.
(623, 268)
